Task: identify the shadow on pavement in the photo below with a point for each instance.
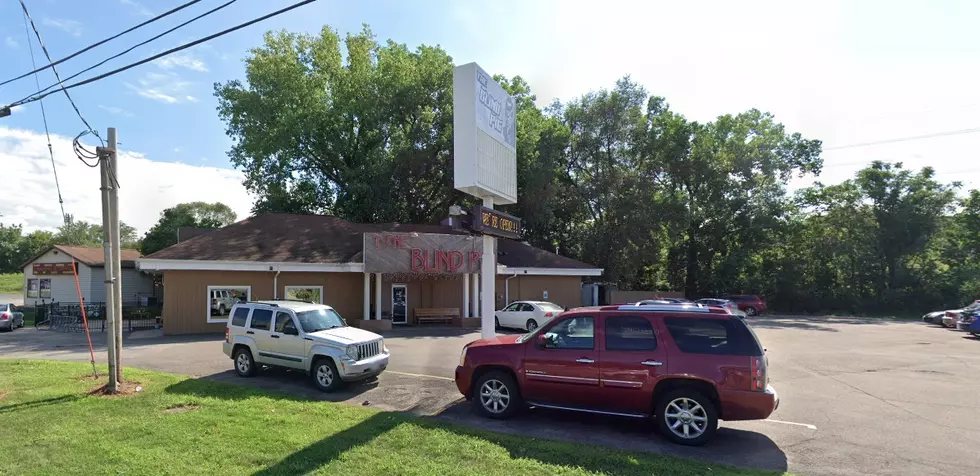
(819, 323)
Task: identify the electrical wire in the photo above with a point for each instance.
(55, 70)
(52, 64)
(192, 20)
(905, 139)
(44, 118)
(39, 96)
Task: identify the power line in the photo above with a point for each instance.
(52, 64)
(192, 20)
(44, 118)
(37, 97)
(905, 139)
(55, 70)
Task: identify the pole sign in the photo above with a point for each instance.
(493, 222)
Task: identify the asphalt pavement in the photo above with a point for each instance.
(858, 396)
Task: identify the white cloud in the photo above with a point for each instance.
(182, 60)
(116, 110)
(146, 186)
(139, 8)
(177, 149)
(19, 108)
(11, 43)
(71, 27)
(163, 87)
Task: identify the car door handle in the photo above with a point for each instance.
(583, 360)
(274, 336)
(652, 363)
(249, 332)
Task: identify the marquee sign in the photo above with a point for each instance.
(53, 269)
(492, 222)
(426, 253)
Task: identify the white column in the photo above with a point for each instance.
(475, 295)
(466, 295)
(377, 296)
(367, 296)
(488, 270)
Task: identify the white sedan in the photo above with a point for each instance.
(528, 315)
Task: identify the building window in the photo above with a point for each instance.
(222, 298)
(305, 293)
(45, 288)
(32, 288)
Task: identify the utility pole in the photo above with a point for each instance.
(116, 248)
(110, 288)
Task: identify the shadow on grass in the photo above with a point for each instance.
(288, 384)
(39, 403)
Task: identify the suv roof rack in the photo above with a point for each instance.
(675, 307)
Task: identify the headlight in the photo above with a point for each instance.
(382, 344)
(462, 357)
(352, 352)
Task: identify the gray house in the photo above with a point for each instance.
(49, 277)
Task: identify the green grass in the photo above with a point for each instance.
(59, 429)
(12, 283)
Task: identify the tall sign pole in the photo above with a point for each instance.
(116, 249)
(484, 162)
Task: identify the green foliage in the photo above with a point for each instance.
(614, 177)
(193, 214)
(12, 283)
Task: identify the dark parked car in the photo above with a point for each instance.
(970, 322)
(749, 304)
(685, 366)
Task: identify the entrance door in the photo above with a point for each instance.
(399, 304)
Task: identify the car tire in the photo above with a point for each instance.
(221, 310)
(531, 325)
(244, 363)
(496, 323)
(324, 375)
(685, 409)
(496, 395)
(750, 311)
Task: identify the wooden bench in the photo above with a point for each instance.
(427, 315)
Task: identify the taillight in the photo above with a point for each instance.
(549, 314)
(4, 316)
(213, 301)
(227, 336)
(758, 369)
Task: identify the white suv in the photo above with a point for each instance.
(304, 336)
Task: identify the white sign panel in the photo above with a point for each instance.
(484, 136)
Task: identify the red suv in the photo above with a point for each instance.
(688, 366)
(750, 305)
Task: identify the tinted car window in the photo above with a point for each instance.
(575, 333)
(712, 336)
(241, 315)
(629, 333)
(284, 322)
(261, 319)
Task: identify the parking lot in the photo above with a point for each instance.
(859, 396)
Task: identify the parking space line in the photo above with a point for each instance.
(805, 425)
(420, 375)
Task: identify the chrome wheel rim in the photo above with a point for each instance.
(686, 418)
(494, 396)
(531, 326)
(324, 375)
(243, 363)
(750, 311)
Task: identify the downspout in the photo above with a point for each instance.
(507, 290)
(275, 284)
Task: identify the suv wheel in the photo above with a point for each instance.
(750, 311)
(531, 325)
(221, 309)
(687, 417)
(497, 395)
(244, 363)
(325, 375)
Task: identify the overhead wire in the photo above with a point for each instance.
(52, 64)
(56, 75)
(44, 119)
(192, 20)
(38, 96)
(905, 139)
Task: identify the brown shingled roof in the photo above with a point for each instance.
(89, 255)
(290, 238)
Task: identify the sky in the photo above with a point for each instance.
(844, 72)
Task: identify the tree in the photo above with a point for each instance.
(82, 233)
(193, 214)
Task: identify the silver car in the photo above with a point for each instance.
(10, 317)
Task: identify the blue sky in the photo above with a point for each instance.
(844, 72)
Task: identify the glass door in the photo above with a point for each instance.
(399, 304)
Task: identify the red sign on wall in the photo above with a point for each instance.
(46, 269)
(433, 253)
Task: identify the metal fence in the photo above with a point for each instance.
(67, 317)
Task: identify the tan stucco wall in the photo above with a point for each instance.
(565, 291)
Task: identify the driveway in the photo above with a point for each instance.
(858, 396)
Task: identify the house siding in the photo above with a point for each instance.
(63, 288)
(134, 284)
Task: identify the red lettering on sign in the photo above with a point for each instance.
(434, 268)
(377, 241)
(442, 261)
(455, 260)
(418, 260)
(474, 259)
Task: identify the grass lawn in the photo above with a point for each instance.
(52, 426)
(12, 283)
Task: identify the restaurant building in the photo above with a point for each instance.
(375, 275)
